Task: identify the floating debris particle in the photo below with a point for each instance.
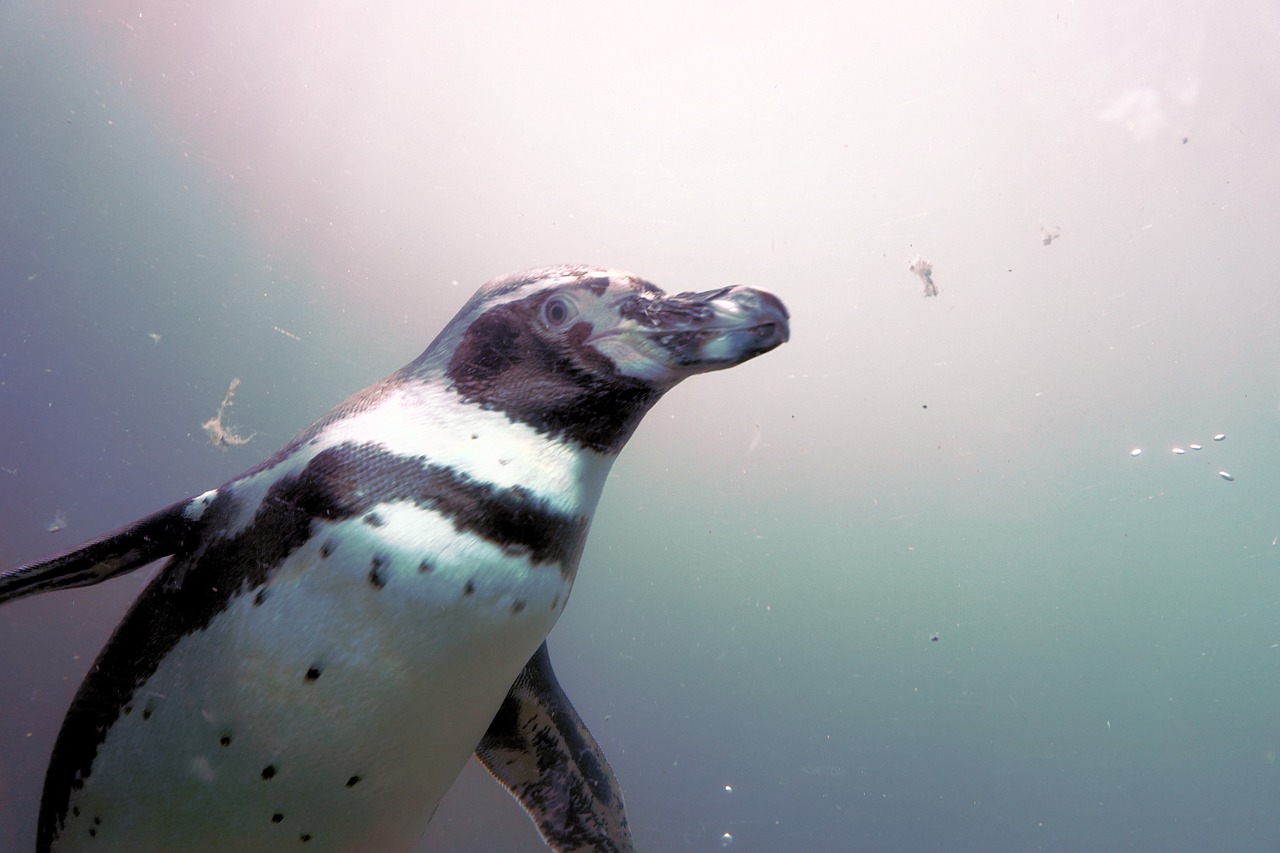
(1179, 451)
(220, 436)
(59, 522)
(1194, 446)
(286, 333)
(1224, 475)
(1048, 235)
(1220, 436)
(155, 337)
(924, 269)
(1137, 451)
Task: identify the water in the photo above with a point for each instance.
(300, 197)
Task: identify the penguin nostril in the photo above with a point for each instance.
(771, 334)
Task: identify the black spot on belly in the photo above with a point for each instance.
(351, 479)
(304, 837)
(209, 573)
(354, 780)
(313, 673)
(373, 520)
(376, 576)
(259, 597)
(517, 606)
(277, 817)
(424, 567)
(268, 771)
(225, 740)
(470, 588)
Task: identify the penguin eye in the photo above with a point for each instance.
(557, 311)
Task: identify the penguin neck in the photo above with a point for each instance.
(488, 445)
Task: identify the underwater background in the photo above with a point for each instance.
(901, 585)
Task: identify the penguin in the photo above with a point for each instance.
(339, 628)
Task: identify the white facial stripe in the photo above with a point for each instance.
(617, 278)
(528, 289)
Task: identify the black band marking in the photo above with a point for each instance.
(349, 479)
(559, 385)
(339, 483)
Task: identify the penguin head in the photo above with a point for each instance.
(584, 352)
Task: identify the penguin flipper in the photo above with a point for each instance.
(539, 749)
(130, 547)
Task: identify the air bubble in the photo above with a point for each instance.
(726, 840)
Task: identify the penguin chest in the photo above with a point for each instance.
(331, 707)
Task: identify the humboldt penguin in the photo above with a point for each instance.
(339, 628)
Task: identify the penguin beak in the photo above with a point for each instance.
(729, 326)
(672, 337)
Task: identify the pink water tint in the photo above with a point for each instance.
(283, 108)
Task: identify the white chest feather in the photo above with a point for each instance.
(333, 708)
(333, 705)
